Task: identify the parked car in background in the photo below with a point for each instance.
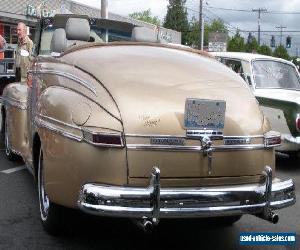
(7, 74)
(276, 85)
(139, 129)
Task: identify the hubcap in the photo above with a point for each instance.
(43, 197)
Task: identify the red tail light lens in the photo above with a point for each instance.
(107, 139)
(102, 139)
(272, 139)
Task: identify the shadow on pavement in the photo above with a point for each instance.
(172, 234)
(286, 163)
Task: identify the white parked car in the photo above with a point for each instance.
(276, 84)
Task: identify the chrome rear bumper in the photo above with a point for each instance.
(154, 202)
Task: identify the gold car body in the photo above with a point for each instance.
(131, 97)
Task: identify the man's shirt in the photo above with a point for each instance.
(23, 62)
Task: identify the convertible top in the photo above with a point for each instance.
(60, 20)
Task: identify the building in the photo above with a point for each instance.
(14, 11)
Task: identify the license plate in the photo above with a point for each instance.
(201, 114)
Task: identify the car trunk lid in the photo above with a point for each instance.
(150, 85)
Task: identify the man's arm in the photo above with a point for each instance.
(30, 50)
(2, 44)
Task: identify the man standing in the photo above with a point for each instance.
(23, 53)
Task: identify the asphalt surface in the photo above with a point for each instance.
(20, 227)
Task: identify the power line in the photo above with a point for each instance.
(232, 29)
(228, 25)
(268, 12)
(271, 31)
(228, 29)
(227, 9)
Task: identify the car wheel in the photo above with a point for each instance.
(52, 215)
(8, 152)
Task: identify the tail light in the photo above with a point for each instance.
(104, 139)
(272, 139)
(298, 122)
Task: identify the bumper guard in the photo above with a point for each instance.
(153, 202)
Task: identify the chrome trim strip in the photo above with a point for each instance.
(58, 121)
(156, 136)
(70, 76)
(183, 136)
(153, 202)
(193, 148)
(14, 102)
(238, 147)
(49, 123)
(8, 135)
(50, 126)
(163, 147)
(237, 137)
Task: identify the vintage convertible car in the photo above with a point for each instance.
(276, 84)
(139, 129)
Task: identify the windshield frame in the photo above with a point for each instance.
(277, 61)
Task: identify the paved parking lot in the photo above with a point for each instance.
(20, 227)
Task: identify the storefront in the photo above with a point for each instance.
(14, 11)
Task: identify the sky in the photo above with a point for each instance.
(245, 21)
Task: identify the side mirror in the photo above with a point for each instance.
(24, 53)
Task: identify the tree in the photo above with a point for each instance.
(252, 45)
(176, 18)
(236, 43)
(193, 36)
(146, 16)
(281, 52)
(217, 25)
(265, 50)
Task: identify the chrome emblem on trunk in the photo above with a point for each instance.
(167, 141)
(236, 141)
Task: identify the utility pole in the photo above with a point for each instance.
(259, 10)
(201, 25)
(281, 28)
(104, 15)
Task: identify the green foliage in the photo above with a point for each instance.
(193, 36)
(265, 50)
(217, 25)
(176, 18)
(281, 52)
(146, 16)
(252, 46)
(236, 43)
